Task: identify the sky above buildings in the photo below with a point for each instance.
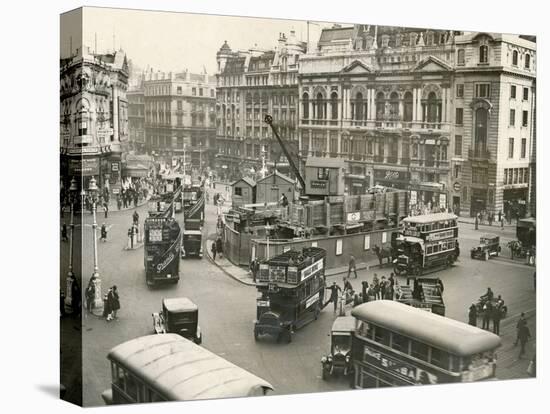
(175, 41)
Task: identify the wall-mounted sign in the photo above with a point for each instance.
(84, 166)
(114, 166)
(456, 187)
(318, 184)
(391, 175)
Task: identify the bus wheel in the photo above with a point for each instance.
(288, 337)
(316, 313)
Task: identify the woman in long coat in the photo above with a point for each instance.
(114, 302)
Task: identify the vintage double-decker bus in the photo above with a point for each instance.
(395, 344)
(426, 242)
(194, 201)
(291, 289)
(162, 241)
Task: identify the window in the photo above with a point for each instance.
(334, 105)
(440, 358)
(525, 118)
(180, 105)
(381, 335)
(179, 91)
(366, 243)
(458, 145)
(322, 173)
(525, 94)
(457, 171)
(460, 90)
(212, 93)
(419, 350)
(527, 61)
(400, 343)
(513, 92)
(408, 107)
(305, 105)
(460, 57)
(523, 147)
(194, 91)
(482, 90)
(479, 175)
(483, 54)
(200, 91)
(238, 191)
(510, 147)
(512, 117)
(179, 119)
(515, 58)
(339, 247)
(459, 116)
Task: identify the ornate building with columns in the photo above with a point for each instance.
(251, 84)
(94, 118)
(424, 110)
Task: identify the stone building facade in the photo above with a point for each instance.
(136, 118)
(180, 118)
(430, 111)
(251, 84)
(94, 118)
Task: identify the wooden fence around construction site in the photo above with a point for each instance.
(339, 248)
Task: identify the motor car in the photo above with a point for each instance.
(180, 316)
(339, 358)
(489, 245)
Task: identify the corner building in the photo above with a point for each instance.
(423, 110)
(94, 118)
(180, 118)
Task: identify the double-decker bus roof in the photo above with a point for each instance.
(180, 370)
(447, 334)
(430, 218)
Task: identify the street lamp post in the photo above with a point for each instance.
(70, 275)
(98, 300)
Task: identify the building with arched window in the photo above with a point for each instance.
(94, 118)
(430, 111)
(251, 84)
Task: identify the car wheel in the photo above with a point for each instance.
(472, 255)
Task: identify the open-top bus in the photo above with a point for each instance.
(169, 367)
(428, 241)
(395, 344)
(291, 288)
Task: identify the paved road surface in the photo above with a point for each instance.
(227, 308)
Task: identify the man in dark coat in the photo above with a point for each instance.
(472, 315)
(135, 217)
(521, 322)
(352, 266)
(365, 291)
(334, 289)
(524, 334)
(64, 233)
(496, 316)
(213, 248)
(487, 313)
(75, 296)
(219, 246)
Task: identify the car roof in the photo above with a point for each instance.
(179, 305)
(488, 236)
(344, 324)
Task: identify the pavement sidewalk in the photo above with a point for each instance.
(495, 225)
(244, 276)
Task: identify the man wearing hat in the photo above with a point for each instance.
(334, 294)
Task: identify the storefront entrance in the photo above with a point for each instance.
(478, 201)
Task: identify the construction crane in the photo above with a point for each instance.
(268, 119)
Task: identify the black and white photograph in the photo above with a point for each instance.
(265, 207)
(256, 206)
